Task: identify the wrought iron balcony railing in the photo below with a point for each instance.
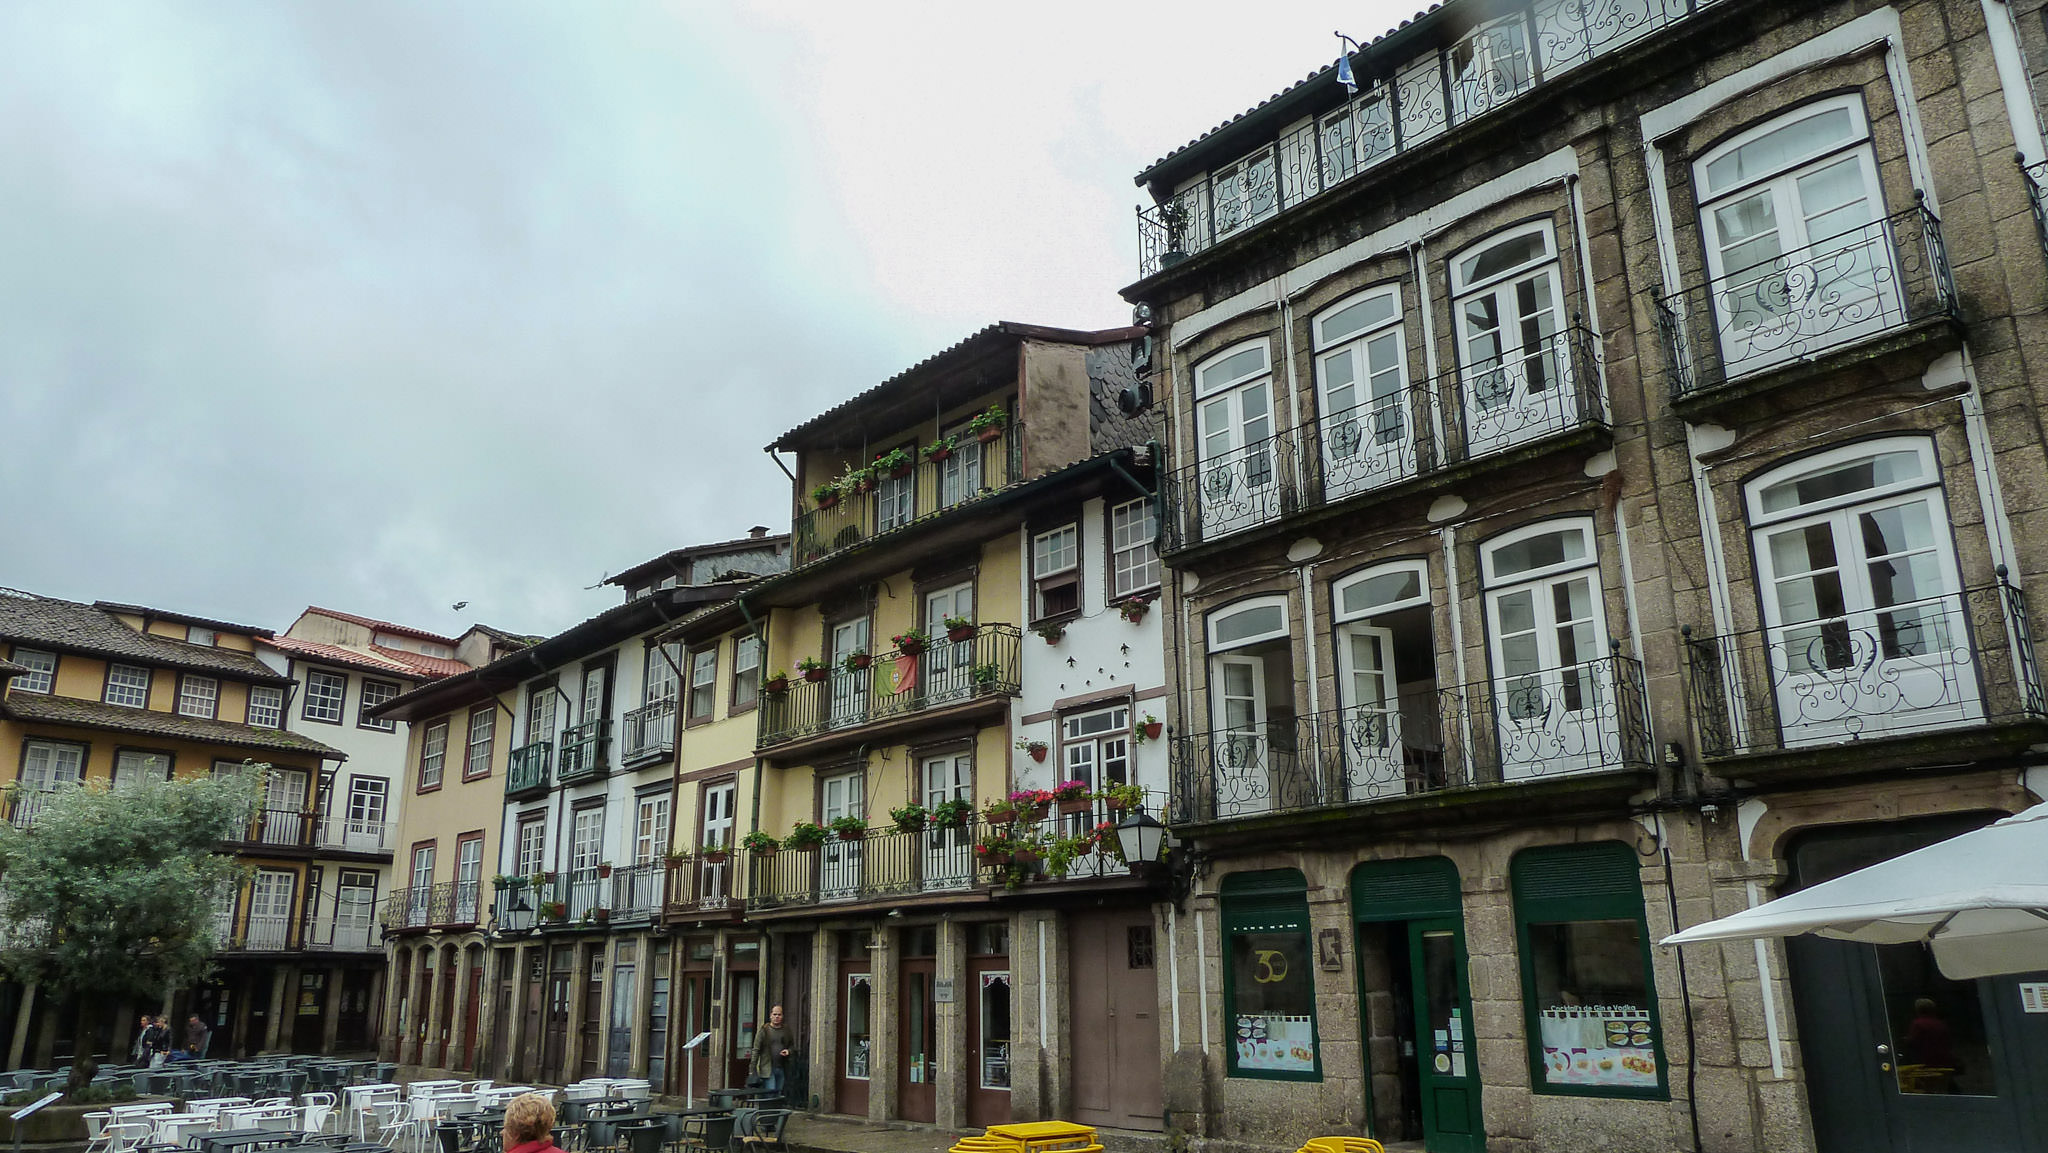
(2035, 177)
(1496, 405)
(1940, 663)
(648, 732)
(25, 803)
(582, 898)
(704, 883)
(1488, 66)
(356, 834)
(1581, 718)
(1793, 306)
(425, 907)
(344, 931)
(890, 862)
(286, 827)
(526, 768)
(894, 685)
(583, 752)
(974, 469)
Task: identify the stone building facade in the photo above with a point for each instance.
(1604, 452)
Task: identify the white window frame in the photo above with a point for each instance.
(1355, 438)
(198, 696)
(530, 855)
(374, 693)
(1095, 746)
(124, 767)
(266, 706)
(1055, 566)
(369, 799)
(586, 840)
(127, 686)
(1237, 463)
(661, 680)
(322, 705)
(477, 745)
(41, 676)
(652, 813)
(746, 669)
(194, 634)
(1560, 702)
(703, 684)
(542, 712)
(1133, 549)
(896, 496)
(1216, 617)
(433, 755)
(1525, 390)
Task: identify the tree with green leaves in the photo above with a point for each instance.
(109, 895)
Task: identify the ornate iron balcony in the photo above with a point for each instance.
(973, 470)
(583, 752)
(1491, 407)
(526, 768)
(2035, 177)
(698, 883)
(648, 731)
(1489, 66)
(947, 673)
(1939, 663)
(1580, 718)
(1801, 304)
(421, 907)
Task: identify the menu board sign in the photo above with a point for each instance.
(1599, 1045)
(1277, 1043)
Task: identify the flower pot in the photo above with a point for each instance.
(863, 488)
(910, 648)
(776, 686)
(1085, 848)
(1068, 807)
(963, 633)
(901, 472)
(910, 826)
(1026, 856)
(1152, 730)
(939, 454)
(999, 818)
(716, 857)
(988, 434)
(1111, 804)
(813, 676)
(1039, 812)
(827, 502)
(996, 860)
(852, 834)
(1038, 753)
(604, 870)
(766, 852)
(858, 664)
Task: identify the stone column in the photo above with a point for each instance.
(508, 1037)
(459, 1023)
(579, 988)
(17, 1051)
(390, 1025)
(430, 1049)
(330, 1013)
(885, 1039)
(280, 977)
(950, 1081)
(824, 1023)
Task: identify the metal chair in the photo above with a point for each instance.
(707, 1133)
(769, 1130)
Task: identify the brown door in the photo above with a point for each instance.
(743, 1007)
(854, 1046)
(473, 1004)
(693, 1016)
(917, 1041)
(988, 1040)
(561, 976)
(1115, 1026)
(590, 1028)
(444, 1030)
(527, 1064)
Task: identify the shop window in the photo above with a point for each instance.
(1586, 987)
(1269, 1006)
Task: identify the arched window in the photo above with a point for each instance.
(1792, 219)
(1508, 305)
(1864, 622)
(1553, 702)
(1362, 392)
(1234, 427)
(1386, 681)
(1251, 686)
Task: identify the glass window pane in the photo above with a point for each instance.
(1781, 148)
(1592, 998)
(1273, 998)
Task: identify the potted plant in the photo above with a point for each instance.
(1072, 796)
(501, 882)
(848, 828)
(1031, 804)
(812, 669)
(539, 879)
(604, 869)
(1148, 729)
(1061, 854)
(715, 852)
(1174, 216)
(857, 661)
(951, 814)
(776, 684)
(989, 425)
(856, 481)
(1133, 609)
(675, 857)
(985, 676)
(548, 876)
(959, 629)
(554, 910)
(909, 818)
(760, 844)
(897, 462)
(804, 837)
(1118, 798)
(1034, 747)
(1112, 845)
(911, 642)
(1051, 633)
(941, 448)
(600, 915)
(995, 850)
(1000, 812)
(825, 495)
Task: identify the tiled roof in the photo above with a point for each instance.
(508, 637)
(181, 618)
(114, 718)
(1324, 75)
(1002, 328)
(421, 663)
(387, 626)
(46, 622)
(380, 659)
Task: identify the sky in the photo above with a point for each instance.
(389, 306)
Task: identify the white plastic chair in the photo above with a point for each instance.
(127, 1136)
(316, 1110)
(97, 1138)
(381, 1120)
(179, 1128)
(130, 1112)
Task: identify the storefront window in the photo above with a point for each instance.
(1592, 1009)
(995, 1030)
(1269, 977)
(859, 993)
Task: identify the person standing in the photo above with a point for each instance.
(140, 1050)
(156, 1040)
(773, 1044)
(196, 1037)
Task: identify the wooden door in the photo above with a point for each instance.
(472, 1011)
(694, 1017)
(590, 1022)
(1115, 1041)
(988, 1040)
(917, 1041)
(853, 1048)
(554, 1051)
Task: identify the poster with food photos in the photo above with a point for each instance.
(1611, 1045)
(1276, 1043)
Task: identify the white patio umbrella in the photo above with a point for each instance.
(1980, 900)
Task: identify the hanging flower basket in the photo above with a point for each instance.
(813, 671)
(911, 642)
(1151, 730)
(962, 633)
(1037, 749)
(604, 870)
(1134, 610)
(715, 856)
(776, 685)
(858, 660)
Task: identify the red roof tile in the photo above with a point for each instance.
(387, 626)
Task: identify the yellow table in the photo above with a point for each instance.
(1342, 1145)
(1032, 1137)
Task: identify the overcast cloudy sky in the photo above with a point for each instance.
(385, 306)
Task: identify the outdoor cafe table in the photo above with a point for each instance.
(243, 1140)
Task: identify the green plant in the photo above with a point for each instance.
(776, 684)
(715, 851)
(856, 660)
(999, 812)
(502, 882)
(826, 495)
(848, 828)
(912, 641)
(993, 418)
(759, 843)
(952, 623)
(986, 674)
(894, 461)
(805, 835)
(554, 910)
(537, 880)
(1121, 796)
(1061, 854)
(952, 814)
(909, 818)
(855, 481)
(1051, 633)
(941, 448)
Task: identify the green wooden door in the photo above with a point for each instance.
(1449, 1064)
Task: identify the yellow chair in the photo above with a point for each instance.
(1032, 1137)
(1342, 1145)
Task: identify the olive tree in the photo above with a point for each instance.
(109, 895)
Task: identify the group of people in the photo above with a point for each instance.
(153, 1041)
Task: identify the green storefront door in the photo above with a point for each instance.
(1411, 950)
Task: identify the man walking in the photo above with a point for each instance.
(773, 1043)
(196, 1037)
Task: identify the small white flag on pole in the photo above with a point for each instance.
(1344, 75)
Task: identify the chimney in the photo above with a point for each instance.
(757, 532)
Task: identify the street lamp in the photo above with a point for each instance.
(1144, 844)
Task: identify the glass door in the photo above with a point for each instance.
(1449, 1070)
(1370, 726)
(916, 1079)
(849, 698)
(948, 666)
(839, 861)
(1240, 748)
(1516, 378)
(948, 854)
